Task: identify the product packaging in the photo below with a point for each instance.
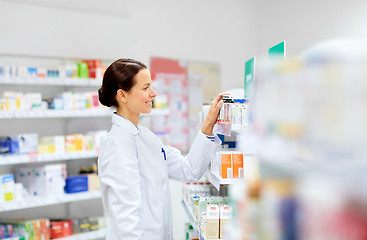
(225, 216)
(212, 221)
(76, 184)
(94, 68)
(237, 159)
(225, 169)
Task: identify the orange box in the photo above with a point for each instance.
(237, 164)
(226, 165)
(79, 142)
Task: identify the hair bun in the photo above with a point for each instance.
(103, 98)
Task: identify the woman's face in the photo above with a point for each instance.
(140, 96)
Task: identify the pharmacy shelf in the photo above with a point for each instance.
(92, 82)
(192, 220)
(94, 112)
(33, 202)
(92, 235)
(52, 157)
(216, 181)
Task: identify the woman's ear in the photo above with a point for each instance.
(121, 96)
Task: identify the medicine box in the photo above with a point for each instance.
(6, 187)
(76, 184)
(94, 68)
(9, 145)
(237, 160)
(42, 180)
(225, 216)
(61, 229)
(212, 221)
(225, 169)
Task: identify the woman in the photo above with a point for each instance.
(134, 165)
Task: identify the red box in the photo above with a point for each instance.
(60, 229)
(94, 68)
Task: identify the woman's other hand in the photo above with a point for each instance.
(211, 118)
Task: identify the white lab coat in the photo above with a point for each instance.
(134, 167)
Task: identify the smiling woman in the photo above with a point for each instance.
(138, 99)
(127, 86)
(134, 165)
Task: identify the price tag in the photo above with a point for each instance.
(33, 157)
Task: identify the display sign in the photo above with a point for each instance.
(277, 51)
(171, 80)
(249, 76)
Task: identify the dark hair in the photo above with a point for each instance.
(119, 75)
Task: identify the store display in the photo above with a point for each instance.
(24, 101)
(84, 69)
(35, 185)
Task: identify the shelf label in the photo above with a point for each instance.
(33, 156)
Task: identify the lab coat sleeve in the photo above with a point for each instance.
(192, 167)
(120, 185)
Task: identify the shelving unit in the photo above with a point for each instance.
(33, 202)
(58, 122)
(192, 220)
(50, 81)
(92, 235)
(103, 112)
(216, 181)
(98, 234)
(20, 159)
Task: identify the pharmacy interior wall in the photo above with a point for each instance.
(305, 23)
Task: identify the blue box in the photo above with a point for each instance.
(9, 145)
(76, 184)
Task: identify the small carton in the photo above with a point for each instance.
(237, 158)
(225, 216)
(225, 169)
(212, 221)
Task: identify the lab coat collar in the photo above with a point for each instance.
(126, 124)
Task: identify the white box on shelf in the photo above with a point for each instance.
(42, 180)
(225, 216)
(28, 143)
(212, 221)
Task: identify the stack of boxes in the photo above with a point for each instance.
(44, 180)
(227, 164)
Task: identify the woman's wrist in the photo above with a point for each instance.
(207, 129)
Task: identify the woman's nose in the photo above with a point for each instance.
(153, 93)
